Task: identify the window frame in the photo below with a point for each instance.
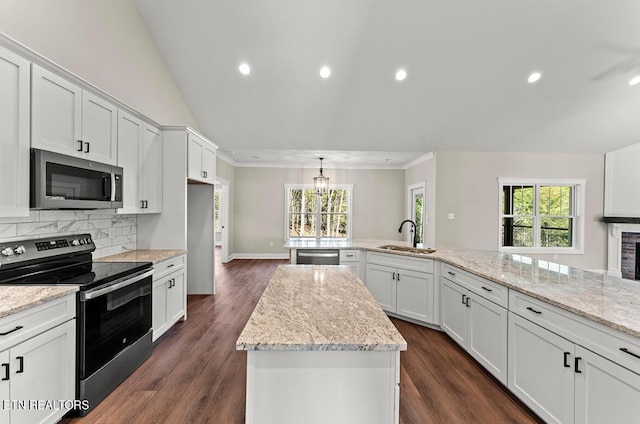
(578, 201)
(318, 212)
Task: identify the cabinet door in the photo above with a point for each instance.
(209, 163)
(48, 365)
(414, 291)
(56, 113)
(537, 372)
(99, 129)
(454, 311)
(487, 341)
(159, 309)
(5, 379)
(195, 151)
(129, 138)
(176, 298)
(151, 165)
(14, 134)
(605, 391)
(382, 285)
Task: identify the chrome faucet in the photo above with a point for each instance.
(415, 234)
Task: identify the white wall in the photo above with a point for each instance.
(378, 204)
(467, 186)
(104, 42)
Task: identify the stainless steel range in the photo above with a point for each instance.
(113, 305)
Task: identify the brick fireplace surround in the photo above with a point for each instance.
(622, 249)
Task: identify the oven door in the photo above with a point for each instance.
(112, 318)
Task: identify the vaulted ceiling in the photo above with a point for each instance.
(467, 64)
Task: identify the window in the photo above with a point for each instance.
(541, 216)
(322, 217)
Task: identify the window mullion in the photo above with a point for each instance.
(319, 217)
(537, 222)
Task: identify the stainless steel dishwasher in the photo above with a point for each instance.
(318, 256)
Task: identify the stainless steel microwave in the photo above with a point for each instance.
(65, 182)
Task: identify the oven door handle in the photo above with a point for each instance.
(118, 284)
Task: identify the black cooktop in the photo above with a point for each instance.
(86, 275)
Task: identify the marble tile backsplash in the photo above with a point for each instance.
(111, 233)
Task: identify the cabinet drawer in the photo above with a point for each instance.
(36, 320)
(488, 289)
(605, 341)
(349, 255)
(401, 261)
(165, 267)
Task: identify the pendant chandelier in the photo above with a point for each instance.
(321, 183)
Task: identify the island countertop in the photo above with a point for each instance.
(314, 307)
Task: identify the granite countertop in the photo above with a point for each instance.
(19, 298)
(315, 307)
(611, 301)
(141, 255)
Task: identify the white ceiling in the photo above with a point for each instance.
(467, 63)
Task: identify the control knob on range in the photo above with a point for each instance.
(20, 250)
(75, 242)
(7, 251)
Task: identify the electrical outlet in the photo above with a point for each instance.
(451, 216)
(271, 243)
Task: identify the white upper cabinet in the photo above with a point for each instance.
(140, 155)
(151, 151)
(68, 120)
(14, 134)
(201, 159)
(99, 129)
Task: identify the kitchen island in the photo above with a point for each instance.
(320, 349)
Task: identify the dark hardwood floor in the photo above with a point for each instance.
(195, 375)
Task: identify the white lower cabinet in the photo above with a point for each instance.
(402, 285)
(351, 258)
(41, 368)
(562, 381)
(604, 391)
(540, 373)
(476, 324)
(169, 295)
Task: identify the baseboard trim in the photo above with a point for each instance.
(258, 256)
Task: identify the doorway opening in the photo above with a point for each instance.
(220, 219)
(416, 209)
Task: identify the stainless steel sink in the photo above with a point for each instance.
(408, 249)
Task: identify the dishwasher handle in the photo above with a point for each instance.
(317, 255)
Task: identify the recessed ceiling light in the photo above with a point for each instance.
(635, 80)
(325, 72)
(535, 76)
(244, 68)
(401, 75)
